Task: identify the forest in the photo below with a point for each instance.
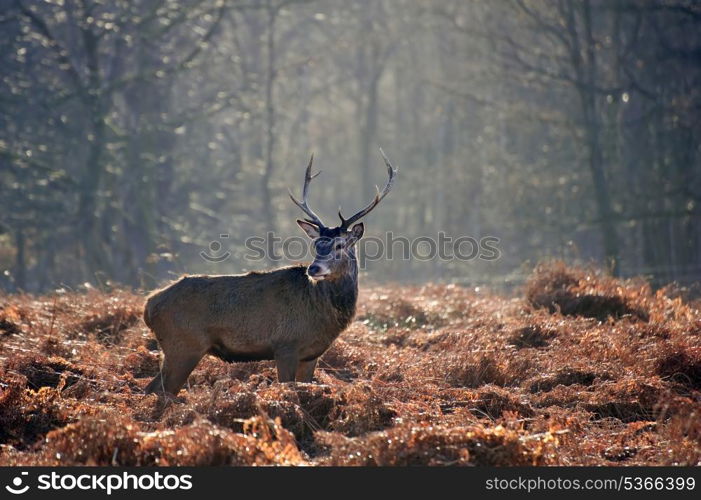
(133, 134)
(528, 293)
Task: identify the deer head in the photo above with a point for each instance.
(334, 252)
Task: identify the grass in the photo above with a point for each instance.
(581, 369)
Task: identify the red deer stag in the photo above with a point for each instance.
(290, 315)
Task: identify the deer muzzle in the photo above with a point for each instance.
(318, 270)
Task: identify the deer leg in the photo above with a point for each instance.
(174, 372)
(155, 385)
(305, 370)
(286, 362)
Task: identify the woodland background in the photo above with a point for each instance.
(134, 133)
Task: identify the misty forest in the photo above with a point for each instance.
(559, 141)
(134, 134)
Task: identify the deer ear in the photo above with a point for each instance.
(311, 229)
(357, 232)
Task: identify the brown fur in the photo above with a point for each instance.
(281, 315)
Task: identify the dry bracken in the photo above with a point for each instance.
(580, 369)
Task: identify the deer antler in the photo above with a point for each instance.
(313, 218)
(391, 172)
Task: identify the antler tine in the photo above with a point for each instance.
(313, 218)
(391, 172)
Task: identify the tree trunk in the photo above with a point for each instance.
(586, 72)
(369, 132)
(266, 198)
(20, 261)
(88, 230)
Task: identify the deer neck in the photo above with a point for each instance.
(341, 292)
